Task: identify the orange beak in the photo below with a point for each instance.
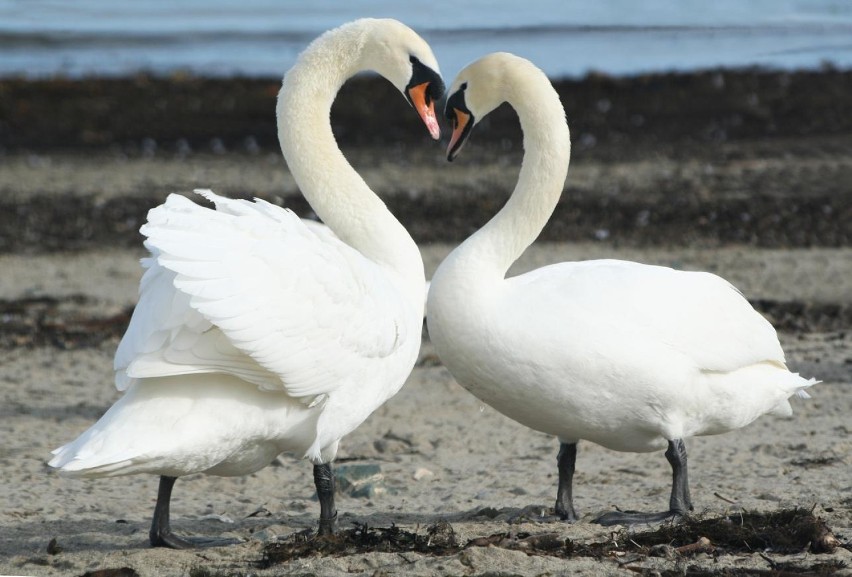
(460, 121)
(426, 111)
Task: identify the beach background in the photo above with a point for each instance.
(704, 138)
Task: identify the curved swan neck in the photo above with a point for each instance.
(335, 191)
(547, 146)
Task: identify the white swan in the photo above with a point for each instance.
(629, 356)
(256, 334)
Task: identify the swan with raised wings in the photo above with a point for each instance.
(256, 334)
(629, 356)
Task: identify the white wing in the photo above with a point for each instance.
(250, 290)
(166, 336)
(697, 313)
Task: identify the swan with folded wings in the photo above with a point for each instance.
(629, 356)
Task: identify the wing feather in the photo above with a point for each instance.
(698, 314)
(250, 289)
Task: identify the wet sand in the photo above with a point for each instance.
(765, 202)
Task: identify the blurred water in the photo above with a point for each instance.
(564, 37)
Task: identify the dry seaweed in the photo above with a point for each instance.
(780, 570)
(118, 572)
(785, 531)
(438, 539)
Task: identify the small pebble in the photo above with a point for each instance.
(423, 473)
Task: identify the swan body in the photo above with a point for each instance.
(256, 333)
(629, 356)
(619, 325)
(214, 302)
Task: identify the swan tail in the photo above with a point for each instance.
(802, 384)
(92, 454)
(72, 462)
(797, 386)
(79, 470)
(802, 393)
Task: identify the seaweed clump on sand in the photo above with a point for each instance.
(786, 531)
(439, 539)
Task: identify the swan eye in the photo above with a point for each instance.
(463, 86)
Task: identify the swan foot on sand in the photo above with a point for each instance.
(680, 502)
(161, 532)
(324, 481)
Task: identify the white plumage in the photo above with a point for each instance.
(630, 356)
(257, 333)
(248, 290)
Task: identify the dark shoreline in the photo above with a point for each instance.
(44, 224)
(667, 110)
(761, 158)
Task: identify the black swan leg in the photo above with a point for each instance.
(324, 481)
(564, 509)
(679, 503)
(161, 532)
(565, 462)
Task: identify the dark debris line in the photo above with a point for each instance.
(438, 539)
(44, 321)
(47, 223)
(789, 531)
(53, 322)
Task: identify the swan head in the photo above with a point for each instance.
(399, 54)
(478, 89)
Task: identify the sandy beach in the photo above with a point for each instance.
(765, 203)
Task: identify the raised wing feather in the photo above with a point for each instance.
(292, 309)
(166, 336)
(698, 314)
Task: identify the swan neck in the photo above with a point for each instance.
(547, 152)
(335, 191)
